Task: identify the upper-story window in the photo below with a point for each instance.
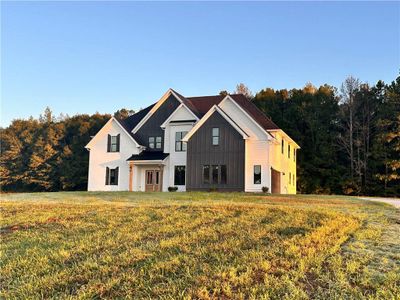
(155, 142)
(179, 145)
(294, 154)
(215, 136)
(288, 151)
(113, 143)
(283, 146)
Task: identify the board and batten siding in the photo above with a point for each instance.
(152, 126)
(229, 152)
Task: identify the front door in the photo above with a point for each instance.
(276, 181)
(153, 180)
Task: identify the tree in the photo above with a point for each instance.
(241, 88)
(223, 93)
(123, 113)
(348, 89)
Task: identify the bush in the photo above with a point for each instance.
(265, 189)
(213, 189)
(172, 188)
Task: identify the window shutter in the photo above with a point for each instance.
(116, 175)
(109, 143)
(107, 176)
(118, 139)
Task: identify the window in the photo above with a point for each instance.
(113, 143)
(179, 145)
(215, 136)
(179, 175)
(112, 176)
(283, 146)
(294, 154)
(158, 142)
(288, 151)
(223, 174)
(290, 178)
(151, 142)
(155, 142)
(214, 174)
(294, 182)
(257, 174)
(206, 174)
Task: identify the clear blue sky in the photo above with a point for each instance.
(83, 57)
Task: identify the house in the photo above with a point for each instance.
(222, 143)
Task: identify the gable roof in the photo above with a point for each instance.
(120, 125)
(130, 122)
(211, 111)
(199, 106)
(202, 105)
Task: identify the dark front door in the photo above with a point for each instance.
(153, 181)
(276, 181)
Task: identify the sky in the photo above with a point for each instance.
(83, 57)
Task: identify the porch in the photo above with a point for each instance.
(147, 170)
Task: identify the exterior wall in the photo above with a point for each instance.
(176, 158)
(152, 126)
(229, 152)
(283, 164)
(99, 159)
(257, 153)
(181, 114)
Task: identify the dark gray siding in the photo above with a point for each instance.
(152, 125)
(229, 152)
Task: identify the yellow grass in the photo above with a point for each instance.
(197, 246)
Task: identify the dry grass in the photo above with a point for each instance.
(197, 245)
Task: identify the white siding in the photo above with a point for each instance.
(257, 154)
(99, 159)
(176, 158)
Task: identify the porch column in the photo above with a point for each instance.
(161, 177)
(130, 176)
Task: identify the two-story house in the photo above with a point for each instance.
(222, 143)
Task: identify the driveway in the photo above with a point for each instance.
(393, 201)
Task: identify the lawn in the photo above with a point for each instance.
(82, 245)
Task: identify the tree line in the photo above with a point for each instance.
(349, 138)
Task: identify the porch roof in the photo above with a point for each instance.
(149, 155)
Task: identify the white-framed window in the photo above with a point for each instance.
(113, 143)
(158, 142)
(257, 174)
(215, 136)
(155, 142)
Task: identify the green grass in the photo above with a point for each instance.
(83, 245)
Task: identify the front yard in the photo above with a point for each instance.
(197, 245)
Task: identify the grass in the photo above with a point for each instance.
(82, 245)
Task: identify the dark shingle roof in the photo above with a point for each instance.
(201, 105)
(149, 155)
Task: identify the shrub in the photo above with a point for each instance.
(265, 189)
(172, 188)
